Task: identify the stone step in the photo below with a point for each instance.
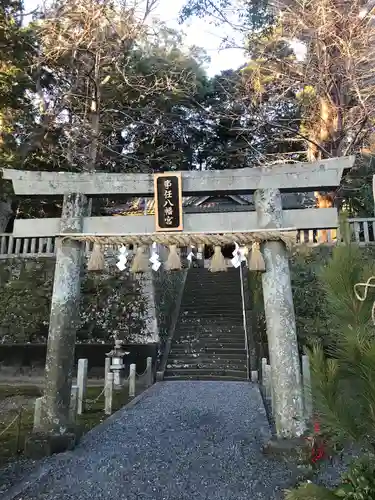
(203, 308)
(208, 344)
(240, 356)
(193, 331)
(204, 314)
(223, 280)
(201, 287)
(212, 290)
(209, 329)
(204, 377)
(208, 287)
(194, 372)
(204, 337)
(212, 318)
(210, 349)
(218, 314)
(209, 365)
(227, 300)
(205, 274)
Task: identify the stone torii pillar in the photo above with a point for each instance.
(280, 320)
(56, 432)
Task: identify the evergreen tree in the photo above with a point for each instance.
(344, 381)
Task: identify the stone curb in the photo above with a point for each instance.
(38, 476)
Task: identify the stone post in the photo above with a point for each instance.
(149, 372)
(63, 325)
(132, 377)
(268, 382)
(82, 384)
(280, 320)
(37, 414)
(108, 394)
(107, 368)
(263, 371)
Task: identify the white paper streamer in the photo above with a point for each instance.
(191, 254)
(122, 258)
(155, 258)
(236, 261)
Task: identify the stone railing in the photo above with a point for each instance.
(363, 231)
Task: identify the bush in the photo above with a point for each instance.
(357, 484)
(343, 378)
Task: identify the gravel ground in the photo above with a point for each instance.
(184, 440)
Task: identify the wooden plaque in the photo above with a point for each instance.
(168, 201)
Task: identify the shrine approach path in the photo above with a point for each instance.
(182, 440)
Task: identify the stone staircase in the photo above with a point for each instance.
(209, 341)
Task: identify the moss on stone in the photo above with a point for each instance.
(112, 303)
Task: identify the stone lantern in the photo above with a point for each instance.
(117, 365)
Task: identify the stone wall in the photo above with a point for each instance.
(113, 303)
(167, 286)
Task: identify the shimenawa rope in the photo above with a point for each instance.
(363, 297)
(287, 235)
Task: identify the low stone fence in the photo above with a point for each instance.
(29, 359)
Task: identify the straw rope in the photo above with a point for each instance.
(288, 236)
(363, 297)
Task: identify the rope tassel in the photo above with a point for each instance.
(218, 261)
(96, 261)
(173, 263)
(256, 260)
(140, 261)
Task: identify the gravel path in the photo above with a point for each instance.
(183, 440)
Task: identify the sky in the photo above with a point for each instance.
(198, 32)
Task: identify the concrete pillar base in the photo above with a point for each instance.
(44, 444)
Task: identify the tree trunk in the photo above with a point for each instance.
(6, 213)
(94, 114)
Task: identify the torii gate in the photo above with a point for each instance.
(266, 183)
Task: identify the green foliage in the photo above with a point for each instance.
(17, 43)
(344, 382)
(356, 188)
(312, 318)
(26, 288)
(359, 481)
(310, 491)
(111, 304)
(357, 484)
(345, 269)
